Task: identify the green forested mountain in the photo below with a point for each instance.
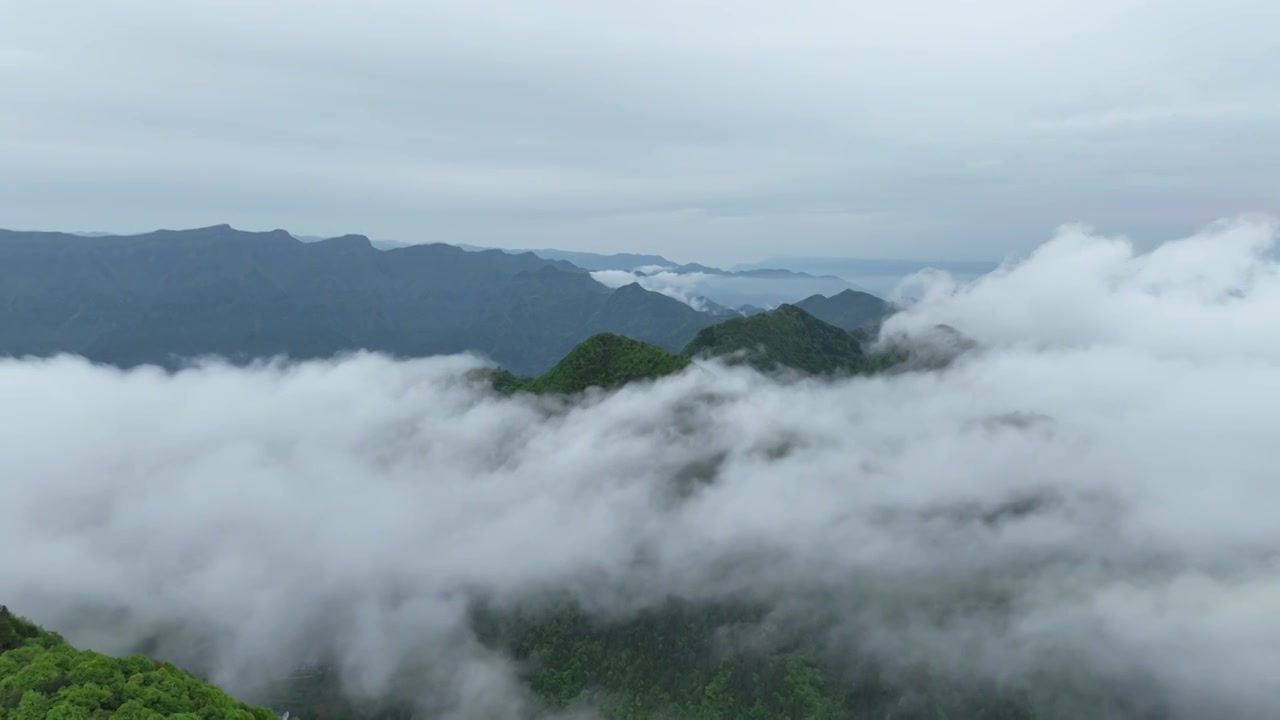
(676, 661)
(668, 662)
(786, 337)
(783, 337)
(245, 295)
(41, 676)
(680, 660)
(850, 310)
(168, 295)
(605, 360)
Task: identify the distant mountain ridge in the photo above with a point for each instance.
(614, 261)
(850, 310)
(652, 264)
(876, 275)
(598, 261)
(740, 291)
(701, 286)
(879, 276)
(167, 295)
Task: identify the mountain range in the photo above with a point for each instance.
(630, 262)
(875, 275)
(702, 286)
(668, 662)
(552, 328)
(166, 296)
(786, 338)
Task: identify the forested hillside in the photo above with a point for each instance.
(41, 676)
(783, 338)
(680, 661)
(605, 361)
(786, 337)
(709, 661)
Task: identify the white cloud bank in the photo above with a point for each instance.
(680, 286)
(1126, 403)
(733, 291)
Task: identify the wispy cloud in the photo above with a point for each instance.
(1103, 464)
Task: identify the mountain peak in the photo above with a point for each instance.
(786, 336)
(605, 360)
(851, 293)
(849, 309)
(634, 288)
(347, 242)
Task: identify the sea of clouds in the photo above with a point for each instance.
(1104, 462)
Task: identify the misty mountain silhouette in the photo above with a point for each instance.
(599, 261)
(850, 309)
(627, 261)
(169, 295)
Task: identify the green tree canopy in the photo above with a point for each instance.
(44, 678)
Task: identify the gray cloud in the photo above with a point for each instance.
(931, 130)
(1102, 465)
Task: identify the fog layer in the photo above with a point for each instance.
(1102, 469)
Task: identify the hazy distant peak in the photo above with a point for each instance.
(353, 242)
(699, 268)
(598, 261)
(634, 288)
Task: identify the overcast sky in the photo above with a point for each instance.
(717, 132)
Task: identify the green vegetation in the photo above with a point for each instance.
(663, 663)
(604, 360)
(504, 381)
(784, 337)
(41, 676)
(696, 661)
(849, 310)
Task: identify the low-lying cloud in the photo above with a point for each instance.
(1103, 463)
(679, 286)
(732, 291)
